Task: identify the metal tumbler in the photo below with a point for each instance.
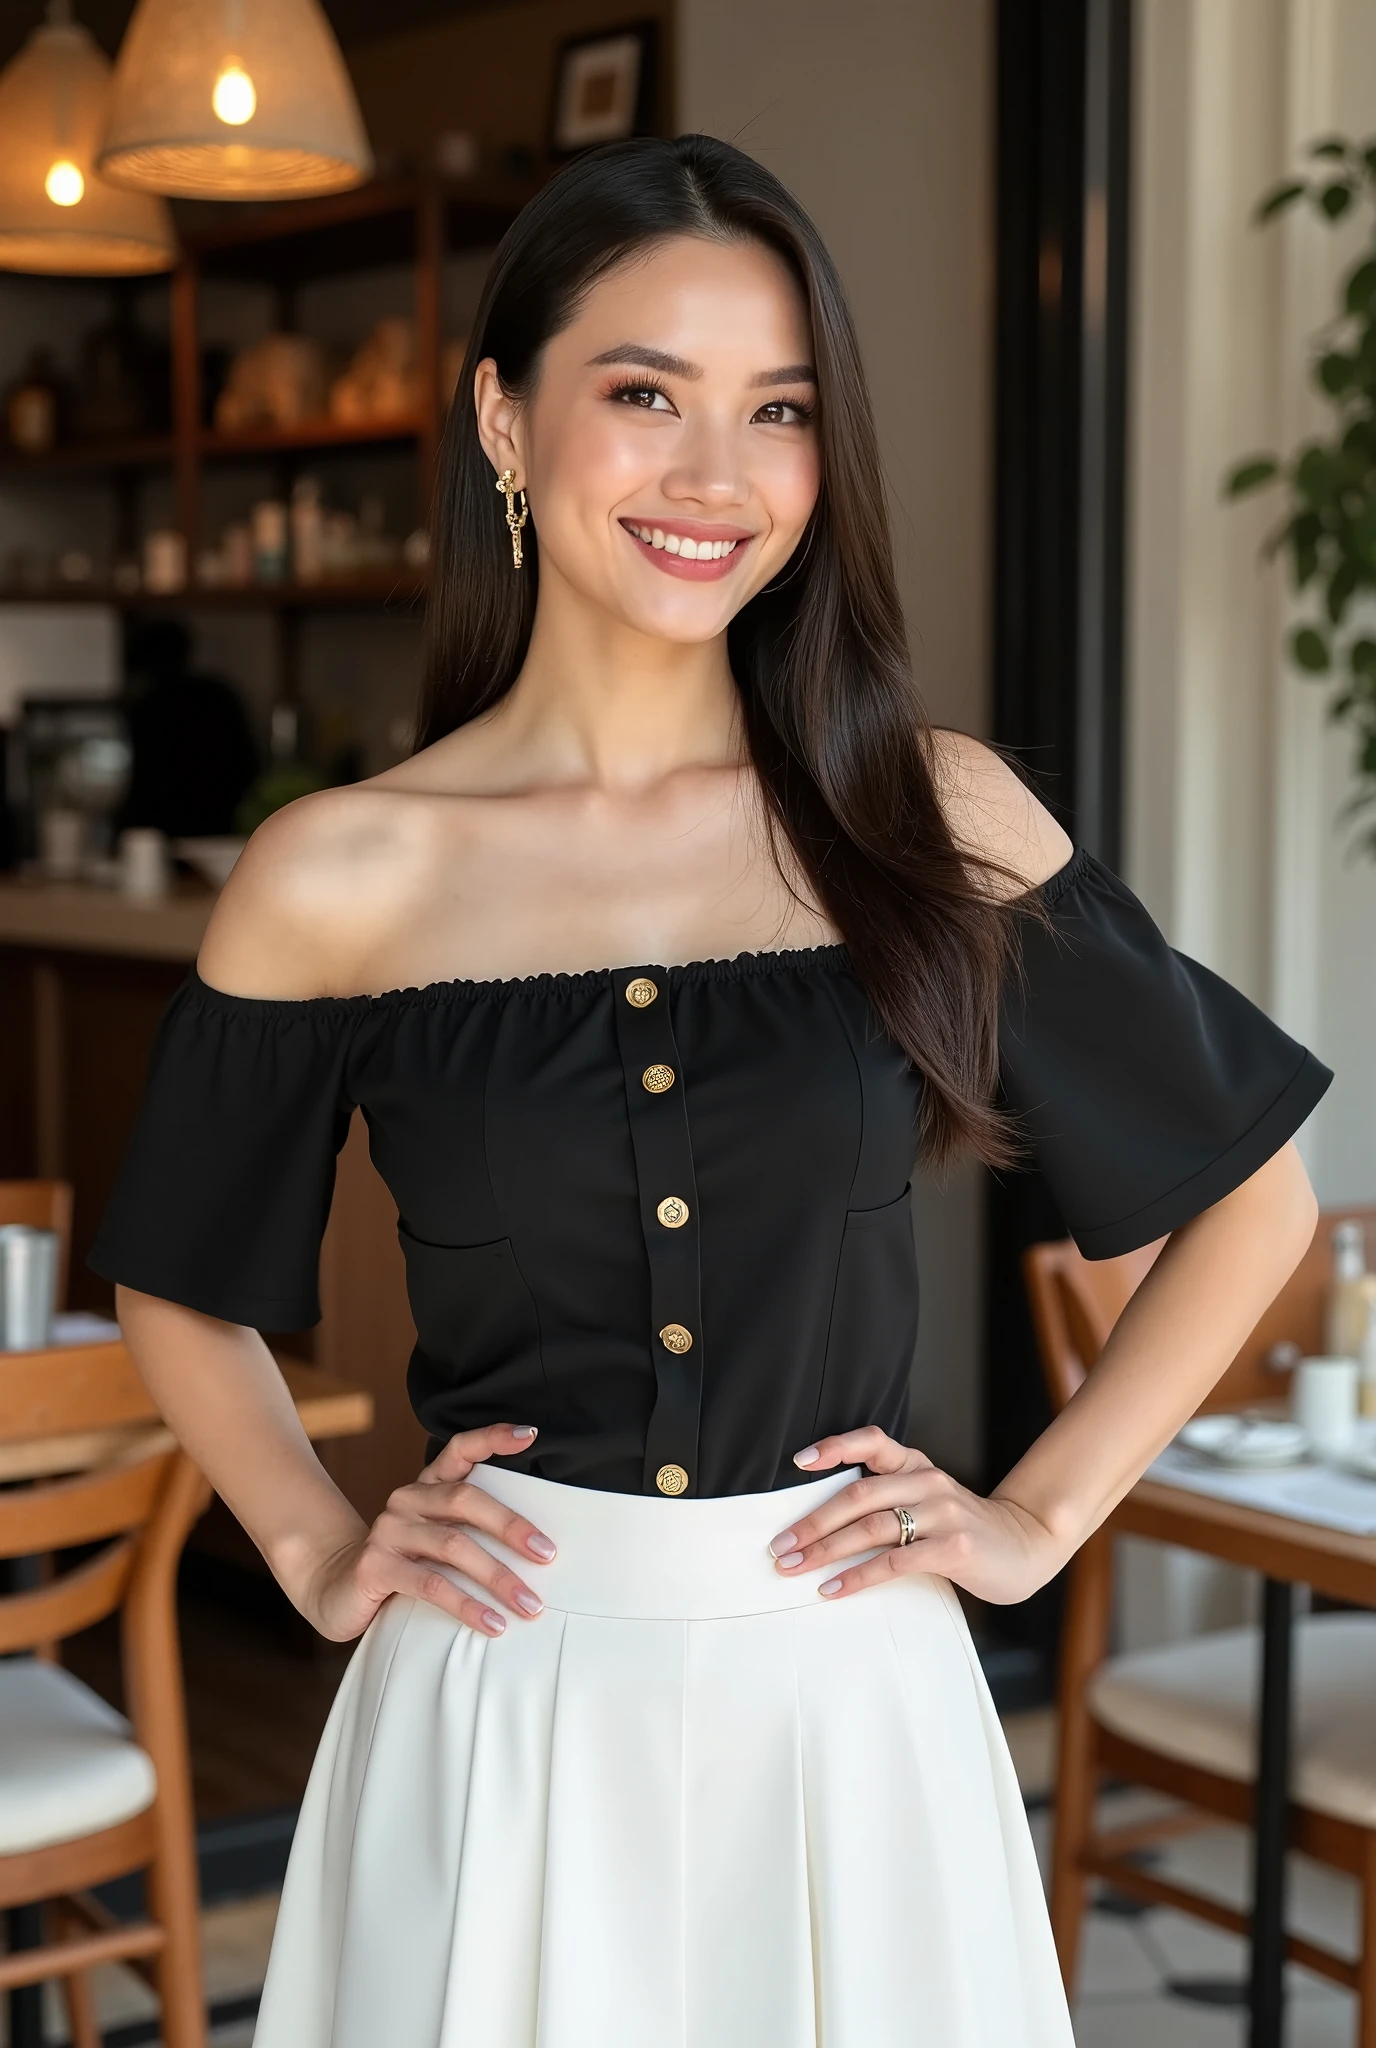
(28, 1286)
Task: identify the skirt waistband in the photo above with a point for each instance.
(633, 1555)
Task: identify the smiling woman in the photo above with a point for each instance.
(652, 971)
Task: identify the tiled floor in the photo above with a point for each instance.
(1136, 1966)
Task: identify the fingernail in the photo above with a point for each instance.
(791, 1562)
(528, 1603)
(524, 1429)
(807, 1457)
(830, 1586)
(541, 1545)
(491, 1619)
(788, 1541)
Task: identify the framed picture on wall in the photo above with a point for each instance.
(606, 88)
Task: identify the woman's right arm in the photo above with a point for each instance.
(296, 920)
(220, 1391)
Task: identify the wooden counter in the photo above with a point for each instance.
(77, 915)
(85, 975)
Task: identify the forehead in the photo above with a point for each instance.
(710, 301)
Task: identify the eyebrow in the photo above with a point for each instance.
(646, 358)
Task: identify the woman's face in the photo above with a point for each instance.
(669, 449)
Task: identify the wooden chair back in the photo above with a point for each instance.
(62, 1391)
(43, 1205)
(1076, 1301)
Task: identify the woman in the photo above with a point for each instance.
(665, 1724)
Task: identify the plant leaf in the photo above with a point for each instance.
(1331, 146)
(1251, 475)
(1310, 650)
(1335, 373)
(1282, 196)
(1362, 657)
(1335, 199)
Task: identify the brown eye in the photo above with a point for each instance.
(784, 412)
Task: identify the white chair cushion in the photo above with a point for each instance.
(1197, 1703)
(68, 1763)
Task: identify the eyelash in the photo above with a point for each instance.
(632, 387)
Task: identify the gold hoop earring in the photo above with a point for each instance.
(506, 484)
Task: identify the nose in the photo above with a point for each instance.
(708, 468)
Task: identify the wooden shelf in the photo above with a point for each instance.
(374, 225)
(94, 458)
(402, 588)
(322, 434)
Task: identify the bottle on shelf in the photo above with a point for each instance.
(1366, 1385)
(1351, 1293)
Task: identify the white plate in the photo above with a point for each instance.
(1246, 1442)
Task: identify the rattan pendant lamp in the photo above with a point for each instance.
(57, 215)
(233, 99)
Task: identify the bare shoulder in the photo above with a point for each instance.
(311, 890)
(992, 812)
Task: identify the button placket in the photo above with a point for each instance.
(663, 1151)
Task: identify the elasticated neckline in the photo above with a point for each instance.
(828, 959)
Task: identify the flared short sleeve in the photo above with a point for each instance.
(1145, 1087)
(225, 1187)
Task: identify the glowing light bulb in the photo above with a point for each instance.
(235, 97)
(64, 183)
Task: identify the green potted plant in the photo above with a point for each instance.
(1327, 525)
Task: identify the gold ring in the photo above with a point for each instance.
(907, 1527)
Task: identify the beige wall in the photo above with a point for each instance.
(878, 114)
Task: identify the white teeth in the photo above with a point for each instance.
(681, 544)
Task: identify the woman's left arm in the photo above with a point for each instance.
(1181, 1330)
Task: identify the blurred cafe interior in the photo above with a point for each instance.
(1114, 268)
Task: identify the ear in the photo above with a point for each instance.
(498, 421)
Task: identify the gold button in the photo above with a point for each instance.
(671, 1479)
(675, 1338)
(673, 1213)
(657, 1079)
(641, 993)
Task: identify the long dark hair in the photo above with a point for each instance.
(835, 728)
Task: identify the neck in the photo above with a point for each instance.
(599, 702)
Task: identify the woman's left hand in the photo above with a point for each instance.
(993, 1548)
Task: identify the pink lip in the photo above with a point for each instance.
(710, 571)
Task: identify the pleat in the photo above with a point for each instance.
(748, 1928)
(611, 1942)
(491, 1955)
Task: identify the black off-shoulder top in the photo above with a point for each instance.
(662, 1212)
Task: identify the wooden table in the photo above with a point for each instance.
(1288, 1553)
(328, 1407)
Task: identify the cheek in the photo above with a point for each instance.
(790, 486)
(592, 465)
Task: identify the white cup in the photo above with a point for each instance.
(144, 869)
(1323, 1400)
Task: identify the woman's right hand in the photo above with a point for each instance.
(423, 1526)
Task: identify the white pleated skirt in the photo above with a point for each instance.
(691, 1805)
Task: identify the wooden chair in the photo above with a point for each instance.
(1178, 1720)
(43, 1205)
(85, 1796)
